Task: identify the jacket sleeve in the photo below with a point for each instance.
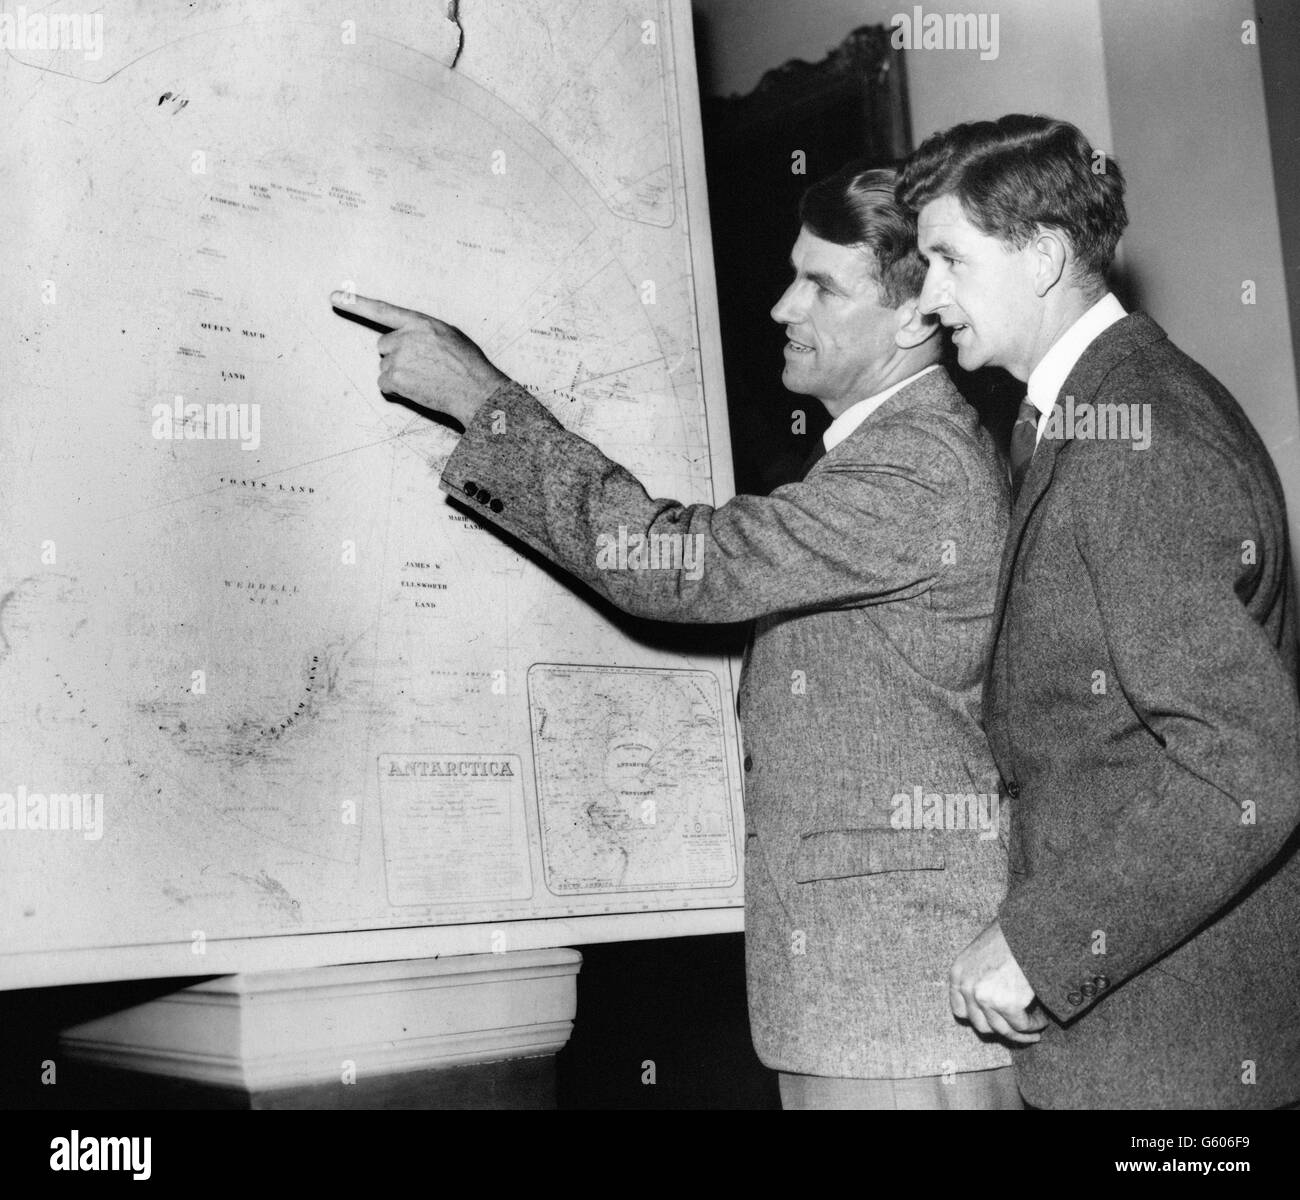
(854, 533)
(1162, 540)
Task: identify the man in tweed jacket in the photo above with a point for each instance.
(871, 585)
(1141, 703)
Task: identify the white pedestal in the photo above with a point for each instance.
(364, 1035)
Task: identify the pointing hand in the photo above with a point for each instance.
(425, 360)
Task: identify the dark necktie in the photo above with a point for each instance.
(816, 453)
(1024, 437)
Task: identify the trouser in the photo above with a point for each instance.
(969, 1090)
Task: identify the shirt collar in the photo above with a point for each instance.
(1047, 379)
(856, 413)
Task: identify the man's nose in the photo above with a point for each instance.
(786, 311)
(934, 295)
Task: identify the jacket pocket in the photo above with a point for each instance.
(843, 853)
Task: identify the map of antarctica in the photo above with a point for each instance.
(311, 694)
(630, 775)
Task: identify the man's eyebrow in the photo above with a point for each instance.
(940, 247)
(820, 278)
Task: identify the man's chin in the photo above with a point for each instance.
(792, 382)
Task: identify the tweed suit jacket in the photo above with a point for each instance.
(872, 586)
(1142, 709)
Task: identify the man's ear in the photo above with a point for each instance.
(1050, 253)
(913, 327)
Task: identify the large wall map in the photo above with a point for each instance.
(259, 678)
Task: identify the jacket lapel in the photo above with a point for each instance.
(1036, 481)
(1134, 332)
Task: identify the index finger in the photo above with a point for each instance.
(378, 311)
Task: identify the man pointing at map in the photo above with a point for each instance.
(873, 836)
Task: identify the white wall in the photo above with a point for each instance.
(1187, 102)
(1049, 61)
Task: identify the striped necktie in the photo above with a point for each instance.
(1024, 437)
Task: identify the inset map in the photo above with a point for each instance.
(631, 778)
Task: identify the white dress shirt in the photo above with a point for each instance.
(1047, 379)
(856, 413)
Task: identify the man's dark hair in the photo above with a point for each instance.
(856, 207)
(1019, 173)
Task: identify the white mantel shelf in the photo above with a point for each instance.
(258, 1033)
